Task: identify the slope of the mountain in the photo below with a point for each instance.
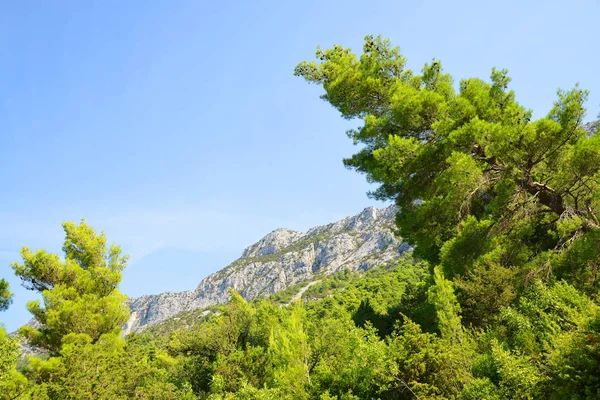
(591, 127)
(281, 259)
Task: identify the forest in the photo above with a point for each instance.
(498, 300)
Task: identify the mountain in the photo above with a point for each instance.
(284, 259)
(591, 127)
(280, 260)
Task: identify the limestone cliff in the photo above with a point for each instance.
(281, 259)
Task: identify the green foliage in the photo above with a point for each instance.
(12, 383)
(575, 363)
(9, 352)
(334, 283)
(469, 170)
(487, 288)
(480, 389)
(346, 360)
(109, 368)
(355, 337)
(505, 209)
(306, 350)
(285, 296)
(441, 295)
(5, 295)
(503, 212)
(80, 327)
(290, 353)
(80, 295)
(183, 320)
(422, 365)
(519, 377)
(383, 295)
(542, 313)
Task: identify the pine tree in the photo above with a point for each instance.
(470, 170)
(12, 383)
(80, 294)
(5, 295)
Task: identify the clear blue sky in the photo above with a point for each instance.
(179, 129)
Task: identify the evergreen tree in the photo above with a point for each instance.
(502, 305)
(80, 327)
(471, 172)
(12, 383)
(5, 295)
(80, 294)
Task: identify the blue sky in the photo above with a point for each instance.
(179, 129)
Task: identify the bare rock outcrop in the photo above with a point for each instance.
(281, 259)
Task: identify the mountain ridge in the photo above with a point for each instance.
(281, 259)
(591, 127)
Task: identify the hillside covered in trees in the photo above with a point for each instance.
(498, 300)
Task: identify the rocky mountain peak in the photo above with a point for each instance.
(272, 243)
(366, 218)
(281, 259)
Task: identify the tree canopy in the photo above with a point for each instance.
(5, 295)
(80, 294)
(499, 300)
(79, 329)
(483, 190)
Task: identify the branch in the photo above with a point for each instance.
(546, 195)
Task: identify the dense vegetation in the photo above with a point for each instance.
(499, 302)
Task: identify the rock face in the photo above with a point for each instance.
(281, 259)
(591, 127)
(272, 243)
